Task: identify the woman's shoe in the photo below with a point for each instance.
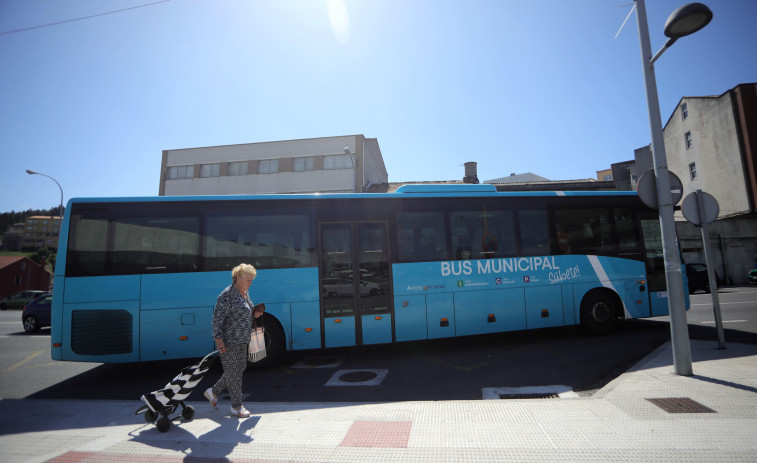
(240, 412)
(211, 398)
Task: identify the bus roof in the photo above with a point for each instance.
(416, 191)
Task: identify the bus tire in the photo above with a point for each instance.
(599, 313)
(274, 344)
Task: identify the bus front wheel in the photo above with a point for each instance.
(274, 344)
(599, 313)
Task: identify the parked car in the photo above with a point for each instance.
(753, 275)
(342, 287)
(19, 299)
(697, 276)
(36, 314)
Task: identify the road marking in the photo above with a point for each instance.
(458, 367)
(724, 321)
(723, 303)
(12, 367)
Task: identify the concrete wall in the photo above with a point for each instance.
(715, 151)
(367, 166)
(375, 170)
(733, 243)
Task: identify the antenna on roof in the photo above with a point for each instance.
(629, 15)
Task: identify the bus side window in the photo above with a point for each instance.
(534, 232)
(421, 236)
(628, 237)
(263, 240)
(156, 245)
(482, 233)
(87, 246)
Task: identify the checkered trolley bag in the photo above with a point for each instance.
(164, 402)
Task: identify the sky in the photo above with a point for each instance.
(516, 86)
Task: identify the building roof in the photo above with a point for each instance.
(545, 185)
(9, 260)
(527, 177)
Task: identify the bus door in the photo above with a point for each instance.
(355, 283)
(655, 265)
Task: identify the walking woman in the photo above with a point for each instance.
(232, 327)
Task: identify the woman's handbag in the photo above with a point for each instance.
(256, 348)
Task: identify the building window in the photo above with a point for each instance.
(687, 139)
(179, 172)
(17, 280)
(684, 111)
(238, 168)
(210, 170)
(337, 161)
(269, 166)
(303, 164)
(693, 170)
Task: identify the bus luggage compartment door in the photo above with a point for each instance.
(490, 311)
(410, 315)
(544, 306)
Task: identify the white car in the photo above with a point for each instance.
(342, 287)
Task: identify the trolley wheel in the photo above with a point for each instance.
(188, 413)
(599, 313)
(150, 415)
(163, 424)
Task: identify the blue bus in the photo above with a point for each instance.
(137, 278)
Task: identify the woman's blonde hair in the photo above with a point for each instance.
(243, 268)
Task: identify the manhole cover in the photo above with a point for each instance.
(358, 376)
(681, 405)
(529, 396)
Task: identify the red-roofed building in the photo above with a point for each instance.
(19, 273)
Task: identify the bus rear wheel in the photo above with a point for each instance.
(599, 313)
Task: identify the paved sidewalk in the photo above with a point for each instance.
(711, 417)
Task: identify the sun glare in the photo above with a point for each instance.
(340, 21)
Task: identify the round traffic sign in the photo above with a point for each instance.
(647, 188)
(693, 214)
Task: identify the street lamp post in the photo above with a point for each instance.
(60, 208)
(683, 21)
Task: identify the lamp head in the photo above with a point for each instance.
(30, 172)
(687, 19)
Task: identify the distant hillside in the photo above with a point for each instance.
(9, 218)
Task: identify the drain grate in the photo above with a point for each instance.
(681, 405)
(547, 395)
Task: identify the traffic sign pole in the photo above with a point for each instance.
(703, 220)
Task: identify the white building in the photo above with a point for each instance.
(711, 145)
(316, 165)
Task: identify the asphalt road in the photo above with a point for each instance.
(448, 369)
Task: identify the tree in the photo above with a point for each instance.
(44, 257)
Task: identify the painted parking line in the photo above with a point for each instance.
(724, 321)
(18, 364)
